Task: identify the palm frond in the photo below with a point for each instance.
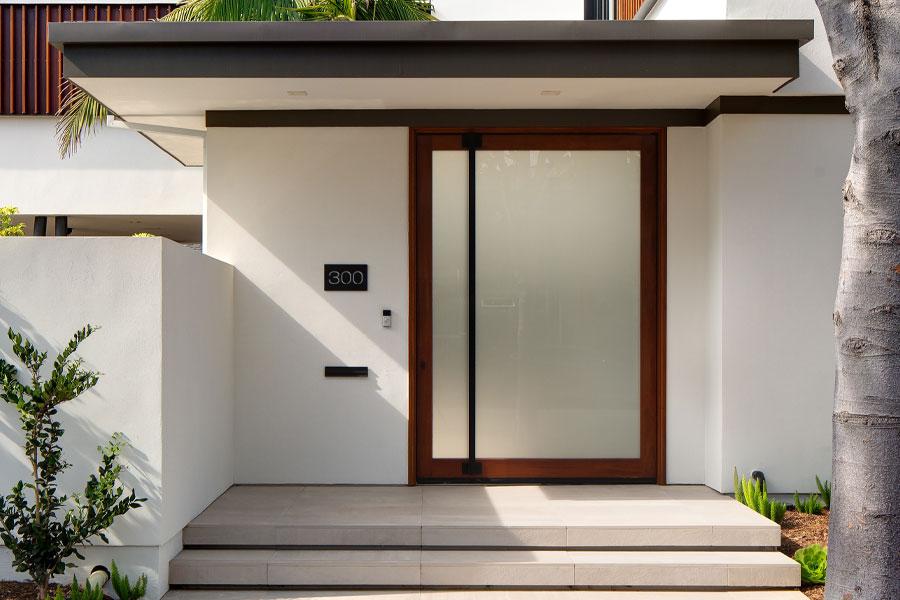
(235, 10)
(79, 116)
(394, 10)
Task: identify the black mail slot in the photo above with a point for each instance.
(346, 371)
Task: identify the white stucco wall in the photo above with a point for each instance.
(690, 297)
(157, 303)
(116, 172)
(281, 203)
(508, 10)
(780, 197)
(689, 9)
(751, 284)
(197, 384)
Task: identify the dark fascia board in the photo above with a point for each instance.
(458, 32)
(738, 48)
(698, 117)
(455, 118)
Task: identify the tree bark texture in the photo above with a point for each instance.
(864, 535)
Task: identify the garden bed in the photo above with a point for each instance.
(799, 530)
(25, 590)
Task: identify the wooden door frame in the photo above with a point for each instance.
(654, 140)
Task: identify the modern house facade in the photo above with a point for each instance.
(462, 251)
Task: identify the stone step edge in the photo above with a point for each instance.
(590, 570)
(520, 548)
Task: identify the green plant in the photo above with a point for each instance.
(42, 532)
(88, 592)
(124, 589)
(813, 563)
(7, 229)
(143, 235)
(824, 491)
(811, 506)
(752, 493)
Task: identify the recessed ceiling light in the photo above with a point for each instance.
(297, 93)
(551, 92)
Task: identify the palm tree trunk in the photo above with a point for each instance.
(864, 534)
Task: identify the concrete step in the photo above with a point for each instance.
(480, 595)
(545, 517)
(483, 568)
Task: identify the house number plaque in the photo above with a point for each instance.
(346, 278)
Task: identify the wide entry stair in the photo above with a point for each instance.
(538, 538)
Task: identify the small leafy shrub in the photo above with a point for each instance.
(813, 563)
(752, 493)
(88, 592)
(40, 527)
(143, 234)
(7, 229)
(124, 588)
(824, 491)
(811, 506)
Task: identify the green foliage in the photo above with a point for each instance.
(752, 493)
(143, 235)
(80, 114)
(824, 491)
(124, 588)
(301, 10)
(7, 229)
(813, 563)
(811, 506)
(40, 527)
(88, 592)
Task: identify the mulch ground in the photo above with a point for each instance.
(24, 590)
(799, 530)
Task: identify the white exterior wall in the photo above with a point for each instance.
(780, 196)
(751, 284)
(508, 10)
(177, 418)
(116, 172)
(690, 298)
(281, 203)
(689, 9)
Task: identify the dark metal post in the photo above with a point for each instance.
(598, 10)
(40, 227)
(472, 141)
(61, 226)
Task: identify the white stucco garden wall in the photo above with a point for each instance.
(157, 302)
(281, 203)
(116, 172)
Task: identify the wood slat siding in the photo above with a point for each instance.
(30, 69)
(626, 9)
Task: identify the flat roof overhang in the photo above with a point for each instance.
(171, 75)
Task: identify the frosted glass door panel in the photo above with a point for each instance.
(450, 296)
(557, 304)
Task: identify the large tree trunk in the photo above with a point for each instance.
(864, 535)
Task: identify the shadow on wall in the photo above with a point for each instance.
(81, 437)
(334, 429)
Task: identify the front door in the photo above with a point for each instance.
(537, 297)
